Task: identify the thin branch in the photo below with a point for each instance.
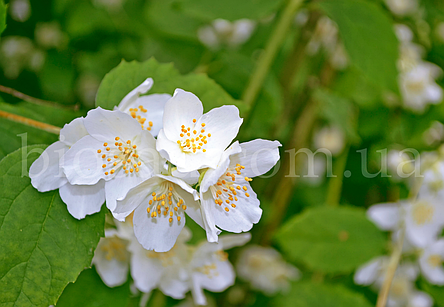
(267, 57)
(391, 270)
(335, 183)
(37, 101)
(30, 122)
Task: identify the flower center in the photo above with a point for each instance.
(166, 258)
(193, 139)
(416, 86)
(139, 114)
(434, 260)
(209, 269)
(422, 213)
(119, 155)
(226, 190)
(168, 200)
(115, 248)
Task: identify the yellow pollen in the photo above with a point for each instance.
(150, 123)
(154, 213)
(209, 135)
(148, 210)
(105, 144)
(154, 194)
(112, 171)
(184, 207)
(245, 188)
(134, 146)
(115, 163)
(233, 205)
(194, 121)
(107, 148)
(137, 169)
(126, 172)
(226, 209)
(104, 165)
(99, 151)
(170, 219)
(128, 142)
(106, 173)
(117, 138)
(139, 163)
(109, 159)
(203, 124)
(204, 150)
(246, 194)
(103, 156)
(150, 202)
(131, 170)
(178, 218)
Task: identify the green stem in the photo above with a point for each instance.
(267, 57)
(335, 184)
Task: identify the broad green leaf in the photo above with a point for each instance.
(230, 9)
(167, 17)
(339, 111)
(2, 16)
(43, 247)
(331, 240)
(128, 75)
(309, 294)
(89, 291)
(368, 37)
(15, 135)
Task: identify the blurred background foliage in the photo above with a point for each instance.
(60, 50)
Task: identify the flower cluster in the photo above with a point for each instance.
(184, 268)
(161, 158)
(417, 224)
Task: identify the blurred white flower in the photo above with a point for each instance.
(402, 7)
(422, 218)
(50, 35)
(418, 86)
(111, 258)
(18, 53)
(87, 86)
(326, 36)
(431, 262)
(433, 180)
(225, 33)
(402, 292)
(147, 110)
(435, 134)
(331, 138)
(400, 164)
(227, 198)
(440, 31)
(20, 10)
(265, 269)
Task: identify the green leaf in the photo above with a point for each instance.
(331, 240)
(15, 135)
(339, 111)
(43, 247)
(435, 291)
(90, 291)
(309, 294)
(128, 75)
(368, 37)
(2, 16)
(230, 9)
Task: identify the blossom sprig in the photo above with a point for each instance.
(189, 168)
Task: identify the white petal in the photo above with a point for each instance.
(118, 187)
(212, 175)
(73, 132)
(156, 233)
(180, 110)
(189, 177)
(368, 272)
(434, 93)
(45, 172)
(155, 104)
(82, 164)
(241, 218)
(258, 157)
(420, 299)
(128, 101)
(230, 241)
(174, 287)
(145, 271)
(221, 279)
(83, 200)
(385, 216)
(207, 202)
(148, 153)
(433, 272)
(105, 125)
(197, 292)
(223, 123)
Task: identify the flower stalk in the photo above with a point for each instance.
(30, 122)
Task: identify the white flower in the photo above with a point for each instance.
(111, 258)
(331, 138)
(116, 150)
(50, 35)
(418, 87)
(423, 219)
(265, 269)
(46, 175)
(402, 7)
(20, 10)
(191, 140)
(147, 110)
(435, 134)
(223, 32)
(433, 182)
(402, 292)
(159, 206)
(400, 164)
(185, 267)
(227, 199)
(431, 261)
(209, 267)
